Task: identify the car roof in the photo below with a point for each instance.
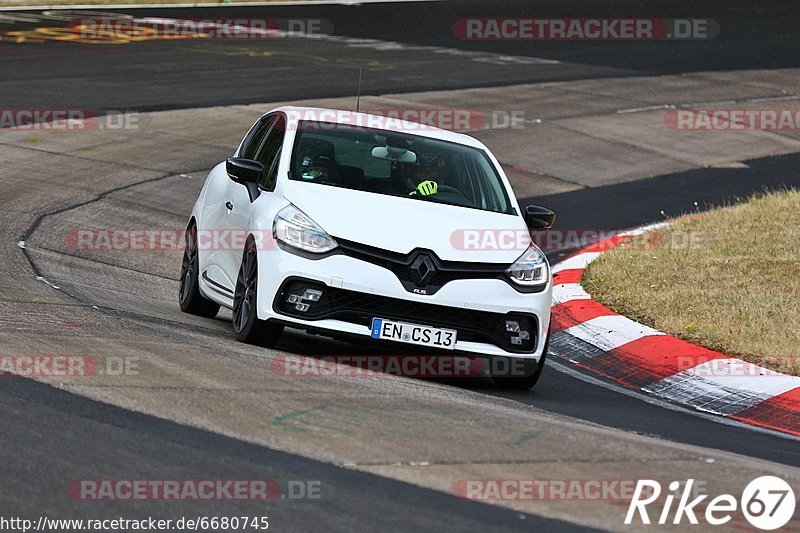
(368, 120)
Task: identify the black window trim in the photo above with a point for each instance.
(253, 130)
(274, 118)
(273, 170)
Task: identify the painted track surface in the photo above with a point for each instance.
(560, 393)
(169, 75)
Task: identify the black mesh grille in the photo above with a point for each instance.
(360, 308)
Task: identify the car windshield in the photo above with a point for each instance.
(397, 164)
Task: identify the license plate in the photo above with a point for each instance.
(413, 334)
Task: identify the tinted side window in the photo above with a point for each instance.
(271, 174)
(255, 138)
(269, 152)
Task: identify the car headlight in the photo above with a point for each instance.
(531, 269)
(293, 228)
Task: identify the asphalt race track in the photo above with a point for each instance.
(168, 74)
(221, 428)
(156, 447)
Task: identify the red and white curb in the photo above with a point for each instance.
(593, 337)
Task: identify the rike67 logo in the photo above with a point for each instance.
(767, 503)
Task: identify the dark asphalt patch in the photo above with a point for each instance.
(51, 437)
(636, 203)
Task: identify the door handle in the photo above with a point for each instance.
(229, 206)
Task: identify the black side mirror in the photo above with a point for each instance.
(243, 170)
(247, 172)
(539, 218)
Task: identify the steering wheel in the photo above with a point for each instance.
(450, 194)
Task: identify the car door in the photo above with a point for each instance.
(220, 205)
(239, 208)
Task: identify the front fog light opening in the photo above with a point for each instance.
(302, 301)
(517, 335)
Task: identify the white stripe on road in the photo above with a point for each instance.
(729, 381)
(569, 291)
(609, 332)
(644, 229)
(576, 261)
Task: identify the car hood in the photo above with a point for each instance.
(402, 224)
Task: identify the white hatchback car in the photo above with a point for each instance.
(357, 225)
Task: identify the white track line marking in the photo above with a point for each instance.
(567, 292)
(738, 374)
(578, 261)
(644, 229)
(713, 103)
(724, 386)
(609, 332)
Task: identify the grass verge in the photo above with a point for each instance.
(728, 280)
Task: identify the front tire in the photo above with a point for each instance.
(518, 374)
(246, 324)
(189, 297)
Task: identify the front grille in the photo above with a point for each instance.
(401, 266)
(360, 308)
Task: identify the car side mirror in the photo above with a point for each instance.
(243, 170)
(539, 218)
(247, 172)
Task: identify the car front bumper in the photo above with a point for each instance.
(362, 285)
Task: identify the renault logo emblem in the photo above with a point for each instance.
(422, 270)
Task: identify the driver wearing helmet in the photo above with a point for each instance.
(317, 167)
(428, 173)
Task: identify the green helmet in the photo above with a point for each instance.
(316, 166)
